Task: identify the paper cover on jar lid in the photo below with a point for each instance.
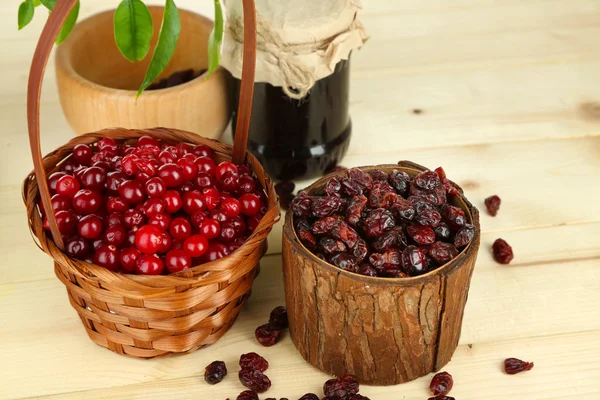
(298, 43)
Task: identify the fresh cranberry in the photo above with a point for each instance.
(93, 178)
(107, 143)
(60, 202)
(229, 182)
(180, 228)
(67, 185)
(115, 235)
(150, 264)
(129, 258)
(114, 180)
(87, 201)
(246, 184)
(116, 204)
(188, 167)
(202, 151)
(147, 141)
(212, 197)
(133, 218)
(129, 164)
(166, 243)
(218, 215)
(231, 207)
(132, 192)
(142, 177)
(107, 257)
(215, 251)
(244, 170)
(126, 149)
(155, 187)
(171, 174)
(239, 226)
(182, 149)
(153, 207)
(77, 247)
(69, 166)
(161, 220)
(210, 228)
(97, 243)
(131, 236)
(195, 245)
(206, 165)
(172, 201)
(197, 218)
(90, 226)
(252, 223)
(250, 204)
(82, 153)
(177, 260)
(204, 180)
(224, 167)
(148, 239)
(186, 187)
(193, 201)
(166, 157)
(105, 165)
(53, 180)
(114, 218)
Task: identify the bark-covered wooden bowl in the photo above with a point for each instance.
(384, 331)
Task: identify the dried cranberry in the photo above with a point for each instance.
(253, 361)
(331, 246)
(514, 366)
(326, 206)
(392, 238)
(390, 259)
(464, 236)
(309, 396)
(341, 387)
(336, 228)
(267, 336)
(400, 181)
(403, 209)
(351, 188)
(492, 204)
(451, 190)
(421, 235)
(430, 218)
(360, 251)
(442, 232)
(377, 221)
(307, 238)
(301, 205)
(379, 175)
(453, 216)
(247, 395)
(367, 270)
(414, 260)
(442, 252)
(377, 195)
(428, 180)
(503, 253)
(255, 380)
(333, 187)
(441, 398)
(356, 205)
(441, 384)
(344, 261)
(278, 319)
(215, 372)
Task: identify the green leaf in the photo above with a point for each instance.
(49, 4)
(133, 29)
(36, 3)
(25, 16)
(167, 40)
(215, 39)
(69, 24)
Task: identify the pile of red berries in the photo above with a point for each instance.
(385, 225)
(151, 207)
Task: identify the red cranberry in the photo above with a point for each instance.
(253, 361)
(69, 166)
(197, 218)
(492, 204)
(190, 157)
(171, 174)
(67, 185)
(114, 218)
(250, 204)
(239, 226)
(153, 207)
(514, 366)
(114, 180)
(77, 247)
(131, 236)
(180, 228)
(193, 201)
(166, 157)
(278, 319)
(162, 221)
(247, 395)
(97, 243)
(177, 260)
(189, 168)
(116, 204)
(252, 223)
(129, 164)
(231, 207)
(150, 264)
(90, 226)
(172, 201)
(53, 179)
(503, 253)
(224, 167)
(87, 201)
(215, 251)
(147, 141)
(246, 184)
(218, 215)
(215, 372)
(82, 153)
(60, 202)
(186, 187)
(107, 143)
(166, 243)
(107, 257)
(202, 151)
(212, 198)
(142, 177)
(115, 235)
(206, 165)
(244, 170)
(182, 149)
(133, 218)
(148, 239)
(129, 258)
(105, 165)
(341, 387)
(210, 228)
(195, 245)
(132, 192)
(93, 178)
(441, 384)
(204, 180)
(255, 380)
(229, 182)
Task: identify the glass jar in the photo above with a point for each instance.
(297, 139)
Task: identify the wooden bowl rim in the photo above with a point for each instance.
(408, 167)
(63, 53)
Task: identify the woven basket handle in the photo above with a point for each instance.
(34, 90)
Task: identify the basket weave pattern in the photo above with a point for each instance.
(156, 316)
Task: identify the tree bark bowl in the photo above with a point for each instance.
(384, 331)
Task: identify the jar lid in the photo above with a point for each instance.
(298, 41)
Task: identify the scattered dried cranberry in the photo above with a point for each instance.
(514, 366)
(503, 253)
(441, 384)
(278, 318)
(255, 380)
(341, 387)
(492, 204)
(267, 336)
(215, 372)
(247, 395)
(253, 361)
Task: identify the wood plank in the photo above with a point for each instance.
(505, 303)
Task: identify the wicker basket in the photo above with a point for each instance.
(146, 316)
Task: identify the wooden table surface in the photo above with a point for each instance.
(509, 93)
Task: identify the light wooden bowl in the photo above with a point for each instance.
(97, 85)
(382, 330)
